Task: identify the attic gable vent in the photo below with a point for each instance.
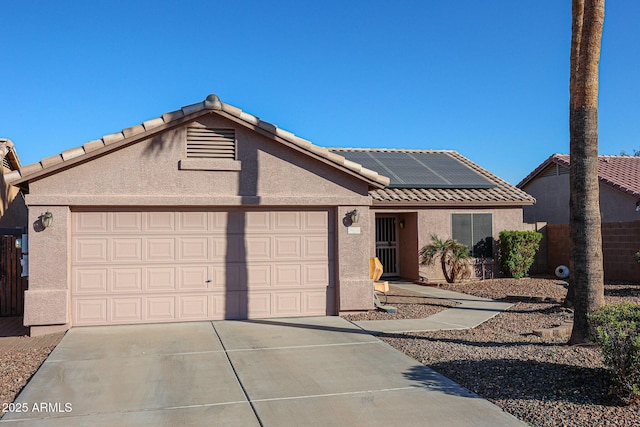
(205, 143)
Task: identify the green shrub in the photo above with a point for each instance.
(517, 251)
(616, 331)
(638, 257)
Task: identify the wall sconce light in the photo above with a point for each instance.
(354, 215)
(46, 219)
(638, 206)
(402, 223)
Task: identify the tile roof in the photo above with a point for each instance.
(8, 155)
(150, 127)
(620, 172)
(502, 194)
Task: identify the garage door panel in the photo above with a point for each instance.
(90, 311)
(163, 266)
(316, 221)
(315, 247)
(160, 249)
(287, 275)
(161, 308)
(258, 304)
(91, 222)
(315, 275)
(126, 222)
(91, 280)
(287, 303)
(255, 221)
(160, 222)
(126, 249)
(194, 221)
(194, 306)
(193, 249)
(91, 250)
(258, 276)
(258, 248)
(218, 221)
(219, 249)
(318, 302)
(126, 310)
(126, 280)
(287, 247)
(286, 221)
(160, 279)
(193, 277)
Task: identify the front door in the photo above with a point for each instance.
(387, 245)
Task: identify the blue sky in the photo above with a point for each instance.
(486, 78)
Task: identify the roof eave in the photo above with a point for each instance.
(440, 204)
(536, 171)
(107, 148)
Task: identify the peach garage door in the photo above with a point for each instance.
(167, 266)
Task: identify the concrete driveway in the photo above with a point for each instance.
(320, 371)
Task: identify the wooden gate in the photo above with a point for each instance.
(12, 286)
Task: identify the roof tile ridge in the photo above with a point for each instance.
(212, 102)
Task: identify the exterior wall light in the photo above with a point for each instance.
(46, 219)
(638, 206)
(354, 215)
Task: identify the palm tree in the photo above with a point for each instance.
(586, 292)
(453, 256)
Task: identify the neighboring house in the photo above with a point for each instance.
(13, 209)
(210, 213)
(619, 178)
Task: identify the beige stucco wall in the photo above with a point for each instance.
(13, 209)
(437, 221)
(552, 195)
(147, 174)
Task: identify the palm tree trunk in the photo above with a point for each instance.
(448, 276)
(587, 276)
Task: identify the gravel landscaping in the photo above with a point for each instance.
(409, 305)
(542, 381)
(20, 357)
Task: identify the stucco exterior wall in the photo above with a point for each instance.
(149, 170)
(147, 173)
(13, 209)
(425, 222)
(438, 222)
(552, 195)
(552, 200)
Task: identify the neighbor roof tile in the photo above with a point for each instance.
(621, 172)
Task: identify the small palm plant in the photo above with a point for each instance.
(454, 257)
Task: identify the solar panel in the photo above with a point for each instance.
(419, 169)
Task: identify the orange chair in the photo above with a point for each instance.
(375, 272)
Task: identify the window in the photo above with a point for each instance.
(474, 230)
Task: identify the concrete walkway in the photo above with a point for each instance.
(471, 312)
(321, 371)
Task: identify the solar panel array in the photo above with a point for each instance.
(407, 169)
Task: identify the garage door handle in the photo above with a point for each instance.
(209, 281)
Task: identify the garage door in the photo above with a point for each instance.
(168, 266)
